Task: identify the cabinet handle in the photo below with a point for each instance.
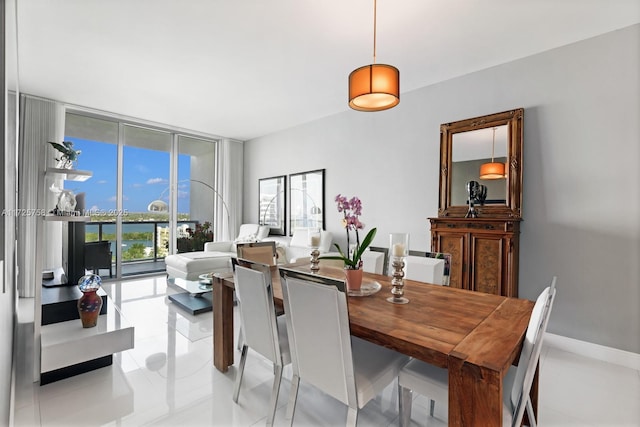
(450, 225)
(489, 227)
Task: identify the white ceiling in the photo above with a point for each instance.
(246, 68)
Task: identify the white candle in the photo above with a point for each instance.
(398, 249)
(314, 240)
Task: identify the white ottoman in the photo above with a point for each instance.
(190, 265)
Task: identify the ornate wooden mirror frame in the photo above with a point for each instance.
(510, 207)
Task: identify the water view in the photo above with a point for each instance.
(137, 237)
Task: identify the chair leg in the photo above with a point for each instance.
(274, 394)
(243, 359)
(530, 413)
(404, 405)
(293, 396)
(240, 338)
(352, 417)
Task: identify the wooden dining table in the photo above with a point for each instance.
(475, 336)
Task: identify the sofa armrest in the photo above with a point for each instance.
(219, 247)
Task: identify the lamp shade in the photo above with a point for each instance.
(158, 206)
(374, 87)
(493, 170)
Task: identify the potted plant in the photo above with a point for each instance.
(351, 210)
(197, 238)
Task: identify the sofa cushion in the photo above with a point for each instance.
(189, 265)
(263, 232)
(247, 233)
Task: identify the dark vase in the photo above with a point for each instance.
(90, 302)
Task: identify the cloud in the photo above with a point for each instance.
(157, 181)
(102, 181)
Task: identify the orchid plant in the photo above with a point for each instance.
(351, 210)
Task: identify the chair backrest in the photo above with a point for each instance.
(300, 238)
(385, 261)
(530, 352)
(97, 254)
(373, 262)
(319, 336)
(430, 267)
(257, 313)
(262, 252)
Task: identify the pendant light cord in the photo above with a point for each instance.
(374, 31)
(493, 146)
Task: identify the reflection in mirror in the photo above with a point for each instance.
(465, 146)
(472, 149)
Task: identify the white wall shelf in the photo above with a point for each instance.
(67, 218)
(70, 174)
(68, 343)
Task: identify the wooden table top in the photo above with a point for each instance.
(483, 329)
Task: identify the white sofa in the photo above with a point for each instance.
(297, 247)
(216, 257)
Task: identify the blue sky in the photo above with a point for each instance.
(146, 176)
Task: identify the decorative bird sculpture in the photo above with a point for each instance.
(68, 155)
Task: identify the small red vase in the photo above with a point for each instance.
(89, 306)
(353, 278)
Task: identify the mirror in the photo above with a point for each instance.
(271, 201)
(486, 142)
(306, 196)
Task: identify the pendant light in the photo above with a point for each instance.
(493, 170)
(374, 87)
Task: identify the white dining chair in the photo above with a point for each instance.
(429, 267)
(373, 261)
(262, 252)
(433, 381)
(323, 352)
(263, 331)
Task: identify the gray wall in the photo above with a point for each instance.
(581, 204)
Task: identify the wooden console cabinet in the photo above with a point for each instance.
(484, 252)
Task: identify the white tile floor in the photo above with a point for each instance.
(169, 379)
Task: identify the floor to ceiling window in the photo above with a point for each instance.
(151, 193)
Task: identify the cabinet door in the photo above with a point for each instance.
(487, 269)
(453, 243)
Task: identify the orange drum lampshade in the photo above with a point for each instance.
(493, 170)
(374, 87)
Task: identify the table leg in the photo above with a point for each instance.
(475, 394)
(222, 325)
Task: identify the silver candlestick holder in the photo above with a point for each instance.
(397, 283)
(315, 267)
(314, 243)
(398, 250)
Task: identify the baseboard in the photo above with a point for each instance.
(595, 351)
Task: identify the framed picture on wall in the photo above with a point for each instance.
(306, 200)
(272, 193)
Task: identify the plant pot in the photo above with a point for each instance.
(353, 278)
